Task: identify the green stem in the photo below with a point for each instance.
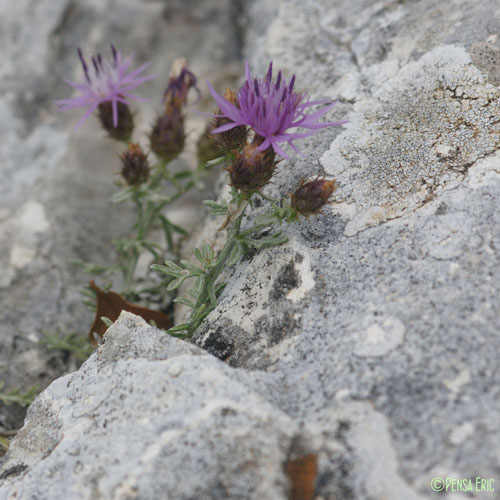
(268, 198)
(147, 217)
(129, 272)
(207, 291)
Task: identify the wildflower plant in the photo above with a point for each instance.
(250, 127)
(147, 181)
(247, 134)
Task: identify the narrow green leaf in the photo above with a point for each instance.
(150, 248)
(215, 161)
(183, 174)
(217, 209)
(191, 267)
(266, 241)
(179, 229)
(186, 302)
(176, 283)
(168, 233)
(123, 195)
(106, 321)
(178, 328)
(211, 295)
(208, 252)
(219, 288)
(197, 253)
(236, 254)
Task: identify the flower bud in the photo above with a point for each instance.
(311, 196)
(252, 169)
(180, 81)
(235, 138)
(135, 165)
(167, 137)
(206, 148)
(125, 124)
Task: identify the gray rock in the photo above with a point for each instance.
(370, 341)
(149, 417)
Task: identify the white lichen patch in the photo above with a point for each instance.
(368, 435)
(455, 384)
(417, 132)
(484, 171)
(23, 229)
(460, 433)
(33, 218)
(20, 256)
(447, 235)
(380, 337)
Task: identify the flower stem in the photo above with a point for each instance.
(206, 300)
(147, 217)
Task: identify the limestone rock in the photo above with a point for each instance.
(149, 417)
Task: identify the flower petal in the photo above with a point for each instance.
(225, 128)
(231, 111)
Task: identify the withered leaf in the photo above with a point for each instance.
(302, 473)
(111, 304)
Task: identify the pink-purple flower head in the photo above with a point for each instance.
(271, 108)
(105, 81)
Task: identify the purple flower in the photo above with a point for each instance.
(105, 81)
(271, 108)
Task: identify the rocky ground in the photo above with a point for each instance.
(357, 361)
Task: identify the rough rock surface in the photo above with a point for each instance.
(370, 341)
(56, 182)
(151, 437)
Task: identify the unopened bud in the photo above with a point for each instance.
(124, 123)
(180, 81)
(135, 165)
(167, 137)
(206, 148)
(311, 196)
(235, 138)
(252, 169)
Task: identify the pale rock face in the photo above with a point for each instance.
(369, 340)
(155, 437)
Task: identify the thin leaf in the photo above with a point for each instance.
(122, 196)
(179, 229)
(215, 161)
(219, 288)
(199, 255)
(178, 328)
(186, 302)
(208, 252)
(217, 209)
(267, 241)
(183, 174)
(176, 283)
(106, 321)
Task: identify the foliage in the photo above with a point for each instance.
(16, 396)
